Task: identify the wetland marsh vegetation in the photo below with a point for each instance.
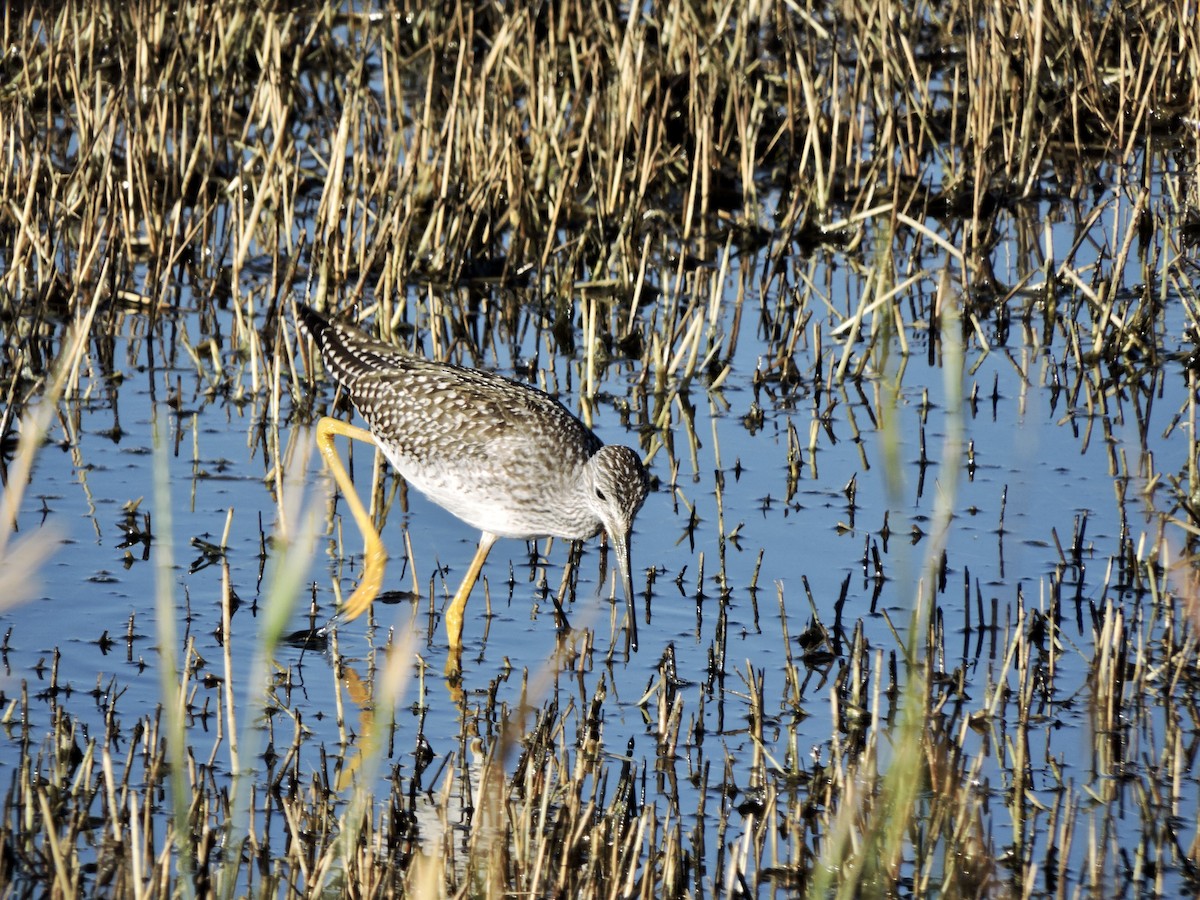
(898, 301)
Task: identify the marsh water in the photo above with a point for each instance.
(1006, 454)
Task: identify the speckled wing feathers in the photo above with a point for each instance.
(348, 352)
(421, 409)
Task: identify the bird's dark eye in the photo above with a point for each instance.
(600, 495)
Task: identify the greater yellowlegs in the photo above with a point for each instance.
(502, 456)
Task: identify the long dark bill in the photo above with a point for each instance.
(621, 545)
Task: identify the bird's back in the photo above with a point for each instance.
(389, 386)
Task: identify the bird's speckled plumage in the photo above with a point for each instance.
(502, 456)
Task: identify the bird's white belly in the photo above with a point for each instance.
(502, 501)
(478, 509)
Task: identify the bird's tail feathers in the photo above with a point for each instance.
(348, 352)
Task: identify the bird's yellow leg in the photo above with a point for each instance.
(454, 612)
(374, 557)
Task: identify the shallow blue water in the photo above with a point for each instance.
(1035, 464)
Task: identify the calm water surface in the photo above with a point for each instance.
(1041, 462)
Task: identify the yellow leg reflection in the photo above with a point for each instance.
(376, 712)
(360, 696)
(374, 557)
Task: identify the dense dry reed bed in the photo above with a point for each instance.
(800, 195)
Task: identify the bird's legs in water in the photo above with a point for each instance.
(454, 612)
(374, 556)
